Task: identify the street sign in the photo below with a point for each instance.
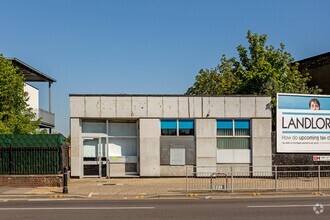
(321, 158)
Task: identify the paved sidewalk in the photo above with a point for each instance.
(106, 188)
(134, 188)
(127, 187)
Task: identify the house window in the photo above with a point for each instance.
(175, 127)
(233, 134)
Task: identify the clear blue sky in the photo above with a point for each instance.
(147, 47)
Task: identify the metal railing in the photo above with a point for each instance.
(251, 178)
(47, 118)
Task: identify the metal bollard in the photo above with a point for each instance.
(65, 181)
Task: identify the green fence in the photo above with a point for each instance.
(32, 154)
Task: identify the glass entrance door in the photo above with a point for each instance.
(94, 157)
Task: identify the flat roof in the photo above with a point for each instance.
(31, 74)
(166, 95)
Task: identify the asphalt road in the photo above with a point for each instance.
(279, 208)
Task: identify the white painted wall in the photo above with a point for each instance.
(33, 92)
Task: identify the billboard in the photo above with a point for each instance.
(303, 123)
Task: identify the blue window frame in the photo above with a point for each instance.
(233, 134)
(186, 127)
(174, 127)
(168, 127)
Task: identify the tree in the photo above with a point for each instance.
(15, 115)
(260, 70)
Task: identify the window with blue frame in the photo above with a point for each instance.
(186, 127)
(168, 127)
(233, 134)
(174, 127)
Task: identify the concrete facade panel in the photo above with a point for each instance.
(217, 107)
(262, 166)
(263, 107)
(149, 128)
(197, 107)
(170, 108)
(261, 127)
(173, 170)
(75, 127)
(149, 143)
(76, 167)
(93, 107)
(248, 107)
(262, 161)
(206, 165)
(261, 147)
(205, 143)
(124, 107)
(237, 168)
(205, 128)
(139, 106)
(108, 106)
(232, 107)
(155, 107)
(183, 108)
(77, 106)
(206, 147)
(206, 107)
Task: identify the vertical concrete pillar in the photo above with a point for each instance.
(149, 147)
(76, 146)
(261, 144)
(206, 143)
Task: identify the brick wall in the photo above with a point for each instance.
(31, 180)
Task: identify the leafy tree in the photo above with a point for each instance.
(15, 115)
(260, 70)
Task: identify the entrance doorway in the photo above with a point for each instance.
(94, 157)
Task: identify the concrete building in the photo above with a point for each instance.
(32, 75)
(161, 135)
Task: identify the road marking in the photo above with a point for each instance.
(282, 206)
(74, 208)
(90, 195)
(46, 200)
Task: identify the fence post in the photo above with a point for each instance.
(10, 159)
(319, 177)
(232, 180)
(65, 180)
(275, 178)
(187, 179)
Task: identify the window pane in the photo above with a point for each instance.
(168, 127)
(233, 143)
(122, 129)
(242, 128)
(225, 132)
(168, 132)
(186, 127)
(186, 132)
(224, 124)
(224, 127)
(186, 124)
(94, 127)
(168, 124)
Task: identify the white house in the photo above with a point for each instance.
(33, 75)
